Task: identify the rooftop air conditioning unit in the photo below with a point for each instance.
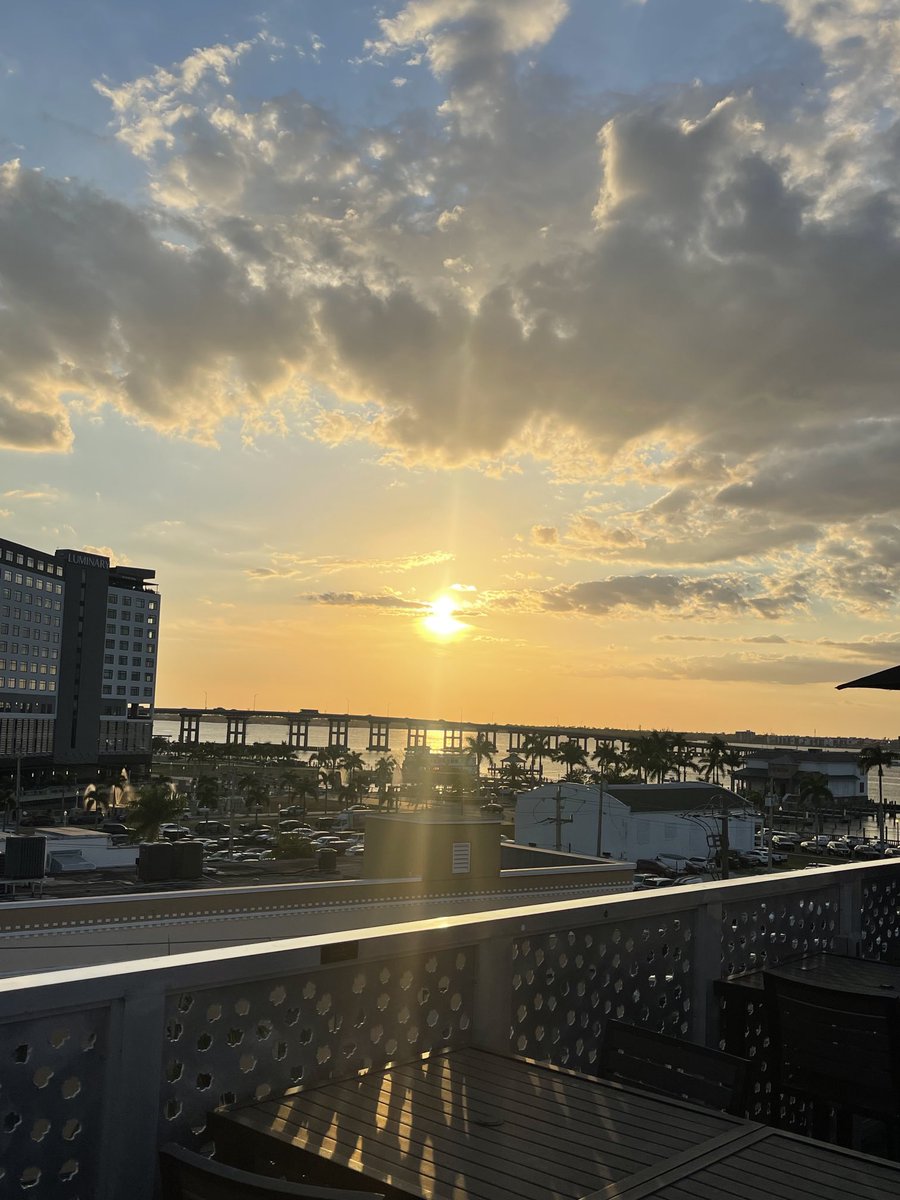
(25, 858)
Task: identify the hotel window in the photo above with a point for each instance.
(107, 674)
(18, 577)
(123, 660)
(148, 662)
(121, 674)
(137, 646)
(135, 677)
(123, 645)
(148, 679)
(124, 630)
(126, 600)
(42, 685)
(151, 604)
(30, 563)
(109, 644)
(108, 658)
(120, 691)
(40, 564)
(135, 662)
(110, 629)
(19, 560)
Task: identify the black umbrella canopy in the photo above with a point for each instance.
(889, 680)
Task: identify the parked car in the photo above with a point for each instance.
(867, 851)
(839, 849)
(211, 828)
(753, 858)
(172, 832)
(115, 829)
(782, 841)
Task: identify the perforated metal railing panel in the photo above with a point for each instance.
(765, 930)
(881, 915)
(566, 985)
(251, 1040)
(51, 1104)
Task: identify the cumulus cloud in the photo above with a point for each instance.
(723, 597)
(696, 288)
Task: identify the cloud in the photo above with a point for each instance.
(723, 597)
(290, 566)
(29, 494)
(735, 668)
(97, 303)
(544, 535)
(361, 600)
(694, 289)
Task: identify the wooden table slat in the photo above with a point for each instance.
(417, 1127)
(479, 1146)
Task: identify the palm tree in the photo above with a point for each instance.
(352, 761)
(417, 772)
(876, 756)
(297, 786)
(812, 787)
(327, 759)
(683, 756)
(206, 792)
(384, 775)
(152, 805)
(480, 747)
(636, 758)
(535, 746)
(256, 794)
(607, 757)
(571, 754)
(713, 758)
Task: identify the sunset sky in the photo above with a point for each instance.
(576, 319)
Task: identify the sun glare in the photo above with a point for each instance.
(441, 622)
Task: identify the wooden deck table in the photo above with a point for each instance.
(470, 1124)
(772, 1165)
(860, 976)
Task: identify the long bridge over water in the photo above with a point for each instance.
(311, 729)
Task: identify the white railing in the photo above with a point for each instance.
(98, 1066)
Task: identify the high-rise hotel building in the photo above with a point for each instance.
(78, 653)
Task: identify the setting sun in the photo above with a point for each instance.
(441, 622)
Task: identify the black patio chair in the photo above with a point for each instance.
(668, 1066)
(190, 1176)
(837, 1051)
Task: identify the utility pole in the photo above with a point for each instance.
(600, 819)
(18, 789)
(723, 848)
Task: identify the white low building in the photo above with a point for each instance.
(639, 821)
